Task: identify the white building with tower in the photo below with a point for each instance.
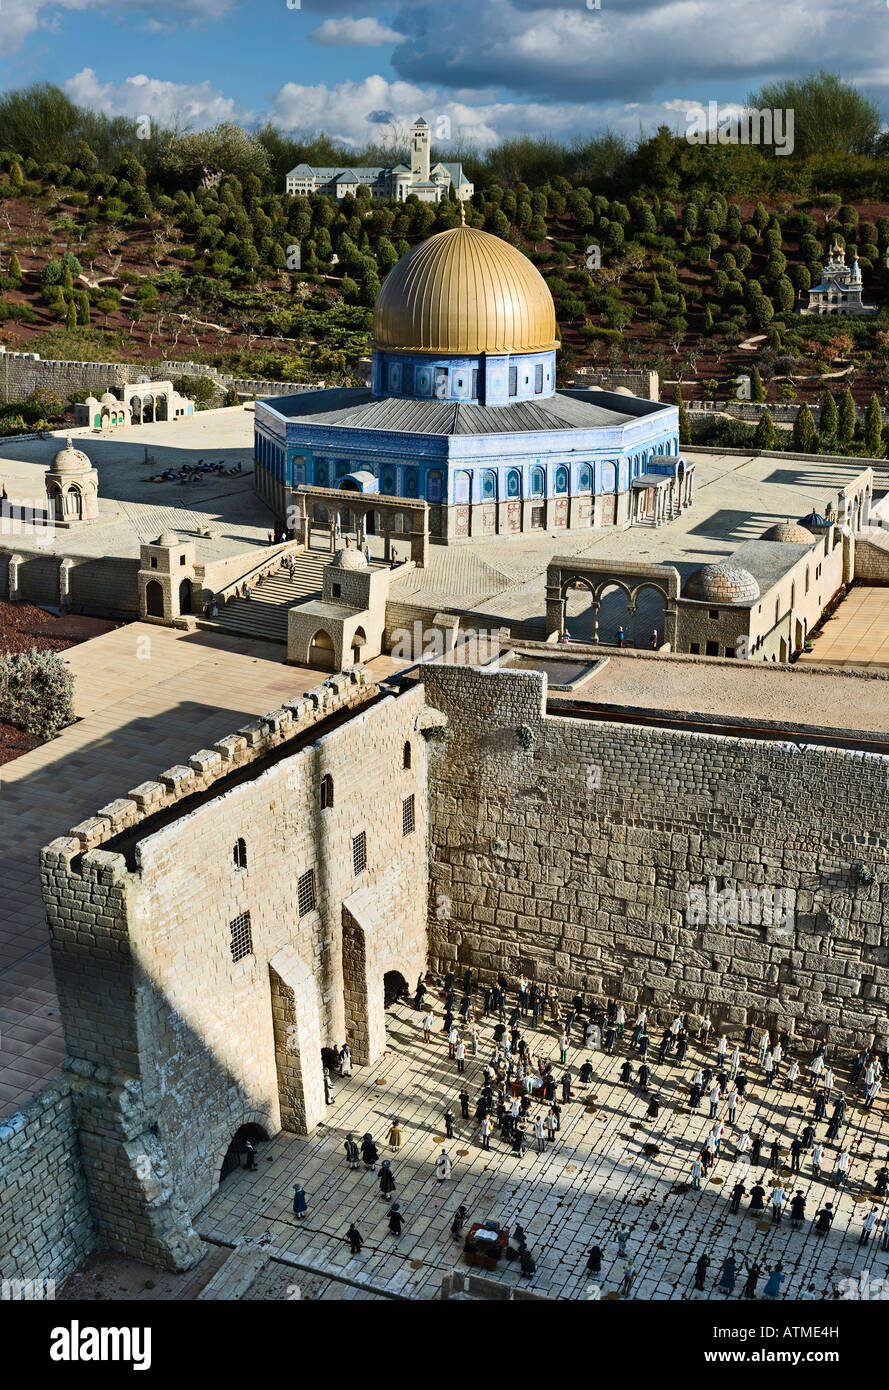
(839, 289)
(427, 182)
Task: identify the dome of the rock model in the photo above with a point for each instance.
(722, 584)
(464, 291)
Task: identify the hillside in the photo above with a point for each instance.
(104, 266)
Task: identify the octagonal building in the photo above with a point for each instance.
(464, 412)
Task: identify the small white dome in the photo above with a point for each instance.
(70, 460)
(349, 560)
(167, 538)
(108, 399)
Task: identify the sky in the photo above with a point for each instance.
(478, 70)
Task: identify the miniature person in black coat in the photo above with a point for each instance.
(756, 1150)
(354, 1237)
(626, 1073)
(701, 1268)
(643, 1078)
(464, 1103)
(458, 1222)
(757, 1197)
(449, 1122)
(396, 1221)
(594, 1260)
(738, 1191)
(369, 1153)
(753, 1273)
(610, 1038)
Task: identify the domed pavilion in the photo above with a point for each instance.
(72, 487)
(464, 413)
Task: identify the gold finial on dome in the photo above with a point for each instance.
(464, 291)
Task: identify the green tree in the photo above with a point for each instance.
(873, 429)
(765, 436)
(15, 270)
(831, 116)
(846, 430)
(757, 390)
(804, 431)
(684, 421)
(828, 422)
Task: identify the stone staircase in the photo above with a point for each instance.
(264, 614)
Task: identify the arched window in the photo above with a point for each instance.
(322, 478)
(387, 479)
(608, 478)
(538, 482)
(585, 479)
(561, 481)
(513, 483)
(792, 596)
(433, 486)
(777, 611)
(342, 467)
(807, 578)
(410, 482)
(326, 792)
(489, 486)
(406, 762)
(462, 487)
(240, 854)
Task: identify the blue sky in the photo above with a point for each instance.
(491, 68)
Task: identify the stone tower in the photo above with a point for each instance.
(420, 151)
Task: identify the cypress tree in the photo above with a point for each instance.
(757, 390)
(684, 421)
(846, 430)
(765, 435)
(804, 431)
(873, 429)
(828, 419)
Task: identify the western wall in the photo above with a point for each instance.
(580, 858)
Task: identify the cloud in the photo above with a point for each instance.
(631, 48)
(198, 104)
(21, 18)
(360, 33)
(353, 112)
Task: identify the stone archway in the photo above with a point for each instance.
(154, 599)
(237, 1147)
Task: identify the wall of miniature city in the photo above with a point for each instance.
(625, 861)
(22, 372)
(46, 1228)
(180, 1044)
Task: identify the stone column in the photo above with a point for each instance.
(65, 569)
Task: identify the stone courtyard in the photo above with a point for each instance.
(593, 1179)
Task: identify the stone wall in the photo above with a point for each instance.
(178, 1042)
(576, 862)
(24, 372)
(872, 557)
(45, 1227)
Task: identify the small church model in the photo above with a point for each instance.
(840, 288)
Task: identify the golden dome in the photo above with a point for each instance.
(464, 292)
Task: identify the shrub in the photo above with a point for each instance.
(36, 692)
